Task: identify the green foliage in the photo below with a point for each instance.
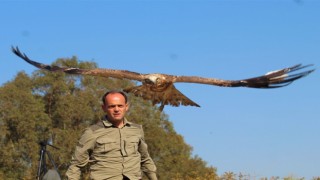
(23, 124)
(60, 106)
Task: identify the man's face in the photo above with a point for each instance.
(115, 107)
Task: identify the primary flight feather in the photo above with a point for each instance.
(160, 89)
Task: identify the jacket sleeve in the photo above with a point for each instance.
(147, 164)
(81, 155)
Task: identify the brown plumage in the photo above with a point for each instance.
(160, 89)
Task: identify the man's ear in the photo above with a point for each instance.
(103, 106)
(127, 106)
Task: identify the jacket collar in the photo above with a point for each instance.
(107, 123)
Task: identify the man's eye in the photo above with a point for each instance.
(114, 106)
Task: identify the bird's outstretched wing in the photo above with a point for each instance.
(70, 70)
(273, 79)
(160, 89)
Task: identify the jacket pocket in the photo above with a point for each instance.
(131, 145)
(104, 145)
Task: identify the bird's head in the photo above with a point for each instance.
(155, 79)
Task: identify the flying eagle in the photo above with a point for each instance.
(160, 89)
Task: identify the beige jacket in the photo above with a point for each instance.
(112, 153)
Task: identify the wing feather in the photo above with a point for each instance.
(170, 96)
(273, 79)
(93, 72)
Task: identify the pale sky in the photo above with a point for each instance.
(263, 133)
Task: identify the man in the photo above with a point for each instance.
(114, 147)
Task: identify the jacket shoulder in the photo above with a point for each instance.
(97, 126)
(136, 125)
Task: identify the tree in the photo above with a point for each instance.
(23, 124)
(228, 176)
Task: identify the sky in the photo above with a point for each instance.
(258, 132)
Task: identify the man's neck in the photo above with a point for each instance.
(118, 124)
